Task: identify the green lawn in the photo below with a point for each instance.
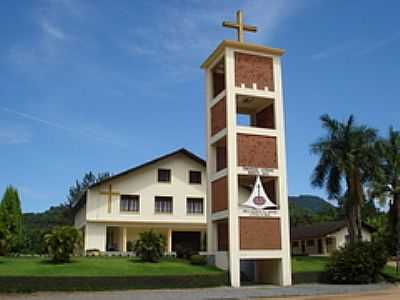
(304, 264)
(99, 266)
(391, 271)
(301, 264)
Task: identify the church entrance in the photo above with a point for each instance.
(186, 240)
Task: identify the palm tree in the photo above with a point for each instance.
(386, 180)
(346, 157)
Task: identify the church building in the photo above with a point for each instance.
(236, 209)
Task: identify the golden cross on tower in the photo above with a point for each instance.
(239, 26)
(110, 193)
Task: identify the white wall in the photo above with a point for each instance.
(341, 236)
(143, 182)
(95, 236)
(80, 217)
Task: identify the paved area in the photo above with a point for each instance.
(375, 290)
(388, 294)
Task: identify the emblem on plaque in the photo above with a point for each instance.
(259, 198)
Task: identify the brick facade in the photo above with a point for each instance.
(218, 83)
(219, 194)
(266, 118)
(256, 151)
(218, 116)
(223, 235)
(251, 69)
(260, 233)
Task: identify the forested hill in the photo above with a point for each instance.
(310, 202)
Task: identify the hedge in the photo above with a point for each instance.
(52, 283)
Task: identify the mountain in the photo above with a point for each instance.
(310, 202)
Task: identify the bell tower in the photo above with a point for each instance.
(248, 219)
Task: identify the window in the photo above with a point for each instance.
(195, 177)
(163, 204)
(310, 243)
(295, 244)
(164, 175)
(194, 205)
(129, 203)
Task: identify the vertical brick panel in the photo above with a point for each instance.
(219, 194)
(256, 151)
(266, 118)
(251, 69)
(218, 83)
(260, 233)
(218, 116)
(223, 235)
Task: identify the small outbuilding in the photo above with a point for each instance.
(323, 238)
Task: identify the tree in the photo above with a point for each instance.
(76, 191)
(150, 246)
(346, 156)
(386, 181)
(61, 243)
(11, 217)
(5, 238)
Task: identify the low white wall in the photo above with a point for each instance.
(221, 260)
(95, 236)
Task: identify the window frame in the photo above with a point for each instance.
(201, 177)
(134, 196)
(194, 213)
(158, 175)
(164, 212)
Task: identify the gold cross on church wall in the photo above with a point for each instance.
(109, 193)
(239, 26)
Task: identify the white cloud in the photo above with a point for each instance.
(52, 30)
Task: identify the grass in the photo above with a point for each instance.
(391, 273)
(99, 267)
(302, 264)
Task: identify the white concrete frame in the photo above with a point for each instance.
(232, 258)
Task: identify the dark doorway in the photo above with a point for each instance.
(320, 246)
(186, 240)
(303, 247)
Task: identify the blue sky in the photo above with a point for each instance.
(104, 85)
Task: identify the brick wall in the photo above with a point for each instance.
(265, 118)
(218, 116)
(260, 233)
(219, 194)
(251, 69)
(222, 235)
(218, 83)
(256, 151)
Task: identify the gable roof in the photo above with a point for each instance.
(319, 230)
(153, 161)
(182, 151)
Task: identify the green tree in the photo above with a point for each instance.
(61, 243)
(5, 238)
(345, 156)
(150, 246)
(386, 181)
(11, 217)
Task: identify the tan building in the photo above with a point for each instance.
(166, 194)
(323, 238)
(246, 145)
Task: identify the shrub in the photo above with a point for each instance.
(93, 252)
(61, 243)
(197, 259)
(150, 246)
(357, 263)
(130, 245)
(185, 253)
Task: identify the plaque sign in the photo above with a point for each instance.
(259, 198)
